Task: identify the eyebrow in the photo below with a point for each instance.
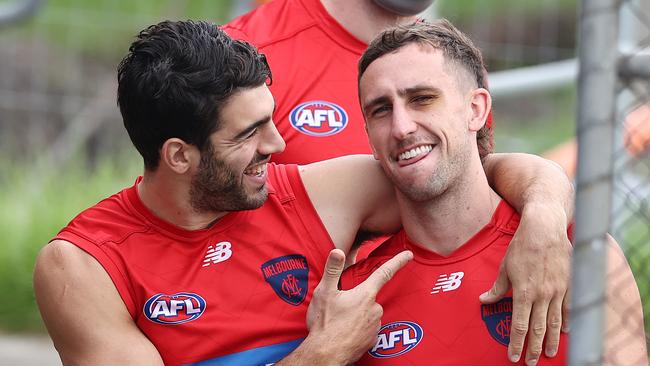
(255, 125)
(401, 92)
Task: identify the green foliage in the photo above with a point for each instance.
(33, 212)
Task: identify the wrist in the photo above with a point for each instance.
(320, 351)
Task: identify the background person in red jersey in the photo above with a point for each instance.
(423, 122)
(313, 47)
(215, 255)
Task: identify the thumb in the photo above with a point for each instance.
(498, 290)
(333, 269)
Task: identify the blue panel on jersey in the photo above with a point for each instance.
(262, 356)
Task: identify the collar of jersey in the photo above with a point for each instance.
(502, 222)
(333, 28)
(164, 226)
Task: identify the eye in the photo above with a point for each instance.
(251, 134)
(379, 111)
(423, 99)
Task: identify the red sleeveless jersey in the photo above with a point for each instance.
(432, 314)
(233, 294)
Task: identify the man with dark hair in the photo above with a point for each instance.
(423, 122)
(214, 255)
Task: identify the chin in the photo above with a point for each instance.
(256, 200)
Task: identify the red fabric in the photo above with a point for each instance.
(312, 58)
(454, 332)
(145, 256)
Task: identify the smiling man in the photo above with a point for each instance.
(423, 96)
(215, 256)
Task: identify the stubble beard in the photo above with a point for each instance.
(445, 176)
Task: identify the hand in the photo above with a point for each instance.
(347, 322)
(537, 265)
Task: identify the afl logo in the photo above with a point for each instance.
(178, 308)
(396, 339)
(318, 118)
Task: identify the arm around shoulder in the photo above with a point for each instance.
(351, 194)
(83, 312)
(525, 179)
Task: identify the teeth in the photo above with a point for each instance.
(258, 170)
(415, 152)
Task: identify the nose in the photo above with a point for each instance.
(271, 142)
(402, 123)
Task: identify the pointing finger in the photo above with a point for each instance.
(383, 274)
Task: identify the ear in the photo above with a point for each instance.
(481, 104)
(178, 155)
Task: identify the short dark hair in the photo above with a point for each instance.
(176, 77)
(441, 35)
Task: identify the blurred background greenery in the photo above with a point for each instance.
(63, 148)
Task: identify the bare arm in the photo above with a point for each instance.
(537, 264)
(625, 342)
(84, 313)
(523, 179)
(351, 194)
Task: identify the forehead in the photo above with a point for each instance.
(411, 65)
(245, 106)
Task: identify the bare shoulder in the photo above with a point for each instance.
(356, 168)
(83, 311)
(60, 254)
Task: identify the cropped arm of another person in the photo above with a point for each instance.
(537, 265)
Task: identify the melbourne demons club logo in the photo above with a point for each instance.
(396, 339)
(178, 308)
(318, 118)
(498, 318)
(288, 276)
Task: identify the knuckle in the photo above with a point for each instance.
(534, 350)
(331, 271)
(523, 297)
(539, 329)
(555, 322)
(386, 272)
(519, 329)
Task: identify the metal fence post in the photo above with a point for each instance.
(596, 111)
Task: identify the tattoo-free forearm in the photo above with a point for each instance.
(525, 179)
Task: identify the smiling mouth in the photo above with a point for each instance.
(257, 170)
(414, 152)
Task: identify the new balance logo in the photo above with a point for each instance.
(447, 282)
(217, 253)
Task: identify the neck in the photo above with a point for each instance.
(169, 199)
(448, 221)
(363, 18)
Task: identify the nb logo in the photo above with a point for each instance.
(217, 253)
(447, 282)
